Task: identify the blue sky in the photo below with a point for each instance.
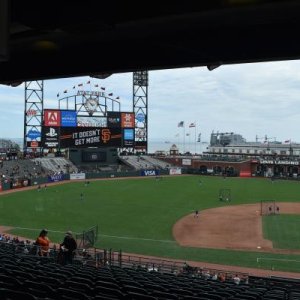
(250, 99)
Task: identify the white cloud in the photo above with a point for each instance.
(250, 99)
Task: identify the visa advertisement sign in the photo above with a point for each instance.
(68, 118)
(149, 172)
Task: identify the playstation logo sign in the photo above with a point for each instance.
(52, 132)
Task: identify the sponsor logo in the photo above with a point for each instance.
(140, 117)
(75, 176)
(128, 134)
(140, 133)
(68, 119)
(114, 120)
(127, 120)
(31, 112)
(52, 132)
(91, 122)
(56, 177)
(34, 144)
(33, 134)
(105, 135)
(52, 118)
(150, 172)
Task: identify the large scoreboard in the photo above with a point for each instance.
(65, 129)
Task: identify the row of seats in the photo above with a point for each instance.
(31, 277)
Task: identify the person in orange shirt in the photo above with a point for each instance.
(43, 243)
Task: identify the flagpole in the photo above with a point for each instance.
(183, 137)
(195, 139)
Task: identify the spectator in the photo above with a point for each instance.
(68, 246)
(236, 279)
(206, 275)
(222, 277)
(43, 243)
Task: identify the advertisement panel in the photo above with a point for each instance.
(91, 121)
(68, 118)
(140, 133)
(186, 162)
(149, 172)
(140, 144)
(90, 137)
(31, 113)
(76, 176)
(113, 119)
(175, 171)
(52, 117)
(0, 186)
(140, 117)
(127, 120)
(19, 183)
(56, 177)
(128, 137)
(33, 134)
(50, 137)
(33, 144)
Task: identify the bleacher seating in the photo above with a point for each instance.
(156, 162)
(21, 169)
(144, 162)
(56, 164)
(135, 162)
(32, 277)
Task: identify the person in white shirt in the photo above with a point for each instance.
(236, 279)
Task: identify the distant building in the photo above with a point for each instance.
(174, 150)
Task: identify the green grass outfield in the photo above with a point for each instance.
(137, 215)
(283, 230)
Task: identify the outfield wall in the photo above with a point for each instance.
(20, 183)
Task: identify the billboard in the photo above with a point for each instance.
(149, 172)
(140, 117)
(127, 120)
(128, 137)
(113, 119)
(186, 162)
(33, 144)
(140, 144)
(50, 137)
(33, 134)
(68, 118)
(90, 137)
(91, 121)
(175, 171)
(56, 177)
(76, 176)
(140, 133)
(52, 117)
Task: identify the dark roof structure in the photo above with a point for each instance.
(55, 39)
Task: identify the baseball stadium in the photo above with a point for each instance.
(88, 212)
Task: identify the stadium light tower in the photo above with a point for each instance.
(140, 108)
(33, 115)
